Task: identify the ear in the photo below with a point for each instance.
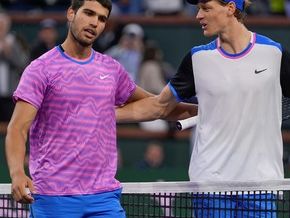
(70, 14)
(231, 7)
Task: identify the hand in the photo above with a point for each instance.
(22, 187)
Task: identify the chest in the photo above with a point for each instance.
(77, 85)
(217, 75)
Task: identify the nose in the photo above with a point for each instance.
(199, 15)
(95, 22)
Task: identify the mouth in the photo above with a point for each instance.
(203, 26)
(90, 33)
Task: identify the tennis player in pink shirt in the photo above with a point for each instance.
(66, 100)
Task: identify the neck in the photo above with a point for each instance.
(235, 38)
(75, 49)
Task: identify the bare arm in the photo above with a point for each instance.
(16, 138)
(182, 111)
(139, 94)
(155, 107)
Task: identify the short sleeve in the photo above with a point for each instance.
(32, 85)
(125, 86)
(182, 84)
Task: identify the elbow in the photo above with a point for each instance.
(14, 130)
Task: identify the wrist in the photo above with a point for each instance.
(17, 172)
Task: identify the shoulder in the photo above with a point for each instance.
(108, 60)
(264, 40)
(207, 47)
(48, 56)
(44, 62)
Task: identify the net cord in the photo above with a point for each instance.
(199, 187)
(193, 187)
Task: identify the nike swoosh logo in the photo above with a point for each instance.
(103, 76)
(260, 71)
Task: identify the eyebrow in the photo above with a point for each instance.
(95, 13)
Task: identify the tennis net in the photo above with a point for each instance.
(267, 199)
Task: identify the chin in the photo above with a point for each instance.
(208, 34)
(86, 43)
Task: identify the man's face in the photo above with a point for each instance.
(86, 24)
(213, 17)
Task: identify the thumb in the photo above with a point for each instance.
(30, 186)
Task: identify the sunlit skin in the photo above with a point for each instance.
(85, 25)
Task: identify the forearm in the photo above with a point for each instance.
(149, 108)
(15, 150)
(138, 111)
(182, 111)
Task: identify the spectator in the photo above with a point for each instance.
(154, 71)
(163, 7)
(10, 66)
(15, 5)
(259, 8)
(47, 38)
(153, 157)
(109, 37)
(129, 50)
(131, 7)
(35, 5)
(153, 75)
(49, 5)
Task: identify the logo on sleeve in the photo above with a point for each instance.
(260, 71)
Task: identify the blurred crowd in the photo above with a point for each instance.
(147, 7)
(141, 56)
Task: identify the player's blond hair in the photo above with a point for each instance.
(240, 15)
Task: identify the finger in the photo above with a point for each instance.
(31, 186)
(16, 194)
(26, 195)
(27, 199)
(22, 195)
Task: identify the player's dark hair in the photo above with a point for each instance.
(76, 4)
